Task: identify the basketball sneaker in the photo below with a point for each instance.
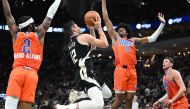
(75, 95)
(58, 106)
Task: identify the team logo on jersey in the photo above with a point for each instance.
(126, 43)
(165, 84)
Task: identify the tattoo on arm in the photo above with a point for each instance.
(115, 38)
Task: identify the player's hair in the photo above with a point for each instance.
(67, 28)
(170, 59)
(127, 28)
(23, 19)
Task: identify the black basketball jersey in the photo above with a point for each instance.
(79, 53)
(83, 63)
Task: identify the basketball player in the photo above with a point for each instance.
(78, 95)
(80, 48)
(28, 52)
(174, 86)
(125, 77)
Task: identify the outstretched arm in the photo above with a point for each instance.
(155, 35)
(111, 31)
(10, 20)
(41, 29)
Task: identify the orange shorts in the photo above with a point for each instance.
(22, 84)
(125, 80)
(180, 104)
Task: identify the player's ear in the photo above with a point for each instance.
(171, 64)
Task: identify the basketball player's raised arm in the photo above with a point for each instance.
(10, 20)
(111, 31)
(155, 35)
(41, 29)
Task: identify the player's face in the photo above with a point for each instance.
(76, 28)
(122, 32)
(166, 64)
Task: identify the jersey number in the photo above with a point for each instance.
(73, 56)
(26, 46)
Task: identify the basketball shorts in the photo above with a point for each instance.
(125, 80)
(22, 84)
(180, 104)
(84, 80)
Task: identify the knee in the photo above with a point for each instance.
(106, 91)
(108, 94)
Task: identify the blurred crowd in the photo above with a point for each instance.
(55, 84)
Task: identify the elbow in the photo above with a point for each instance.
(184, 89)
(106, 45)
(152, 39)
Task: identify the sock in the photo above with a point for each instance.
(11, 102)
(106, 91)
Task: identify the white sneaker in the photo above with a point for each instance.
(75, 95)
(58, 106)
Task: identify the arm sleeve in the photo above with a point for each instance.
(53, 8)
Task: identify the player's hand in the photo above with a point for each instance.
(97, 22)
(156, 105)
(91, 28)
(167, 102)
(161, 17)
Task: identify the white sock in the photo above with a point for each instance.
(106, 91)
(11, 102)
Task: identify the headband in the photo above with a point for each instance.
(24, 24)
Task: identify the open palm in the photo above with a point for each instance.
(161, 17)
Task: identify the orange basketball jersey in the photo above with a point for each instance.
(125, 52)
(172, 88)
(28, 50)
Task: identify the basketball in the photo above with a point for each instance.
(89, 16)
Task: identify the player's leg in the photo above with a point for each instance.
(14, 89)
(131, 88)
(77, 95)
(129, 100)
(29, 88)
(106, 91)
(24, 105)
(119, 86)
(11, 102)
(95, 102)
(119, 97)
